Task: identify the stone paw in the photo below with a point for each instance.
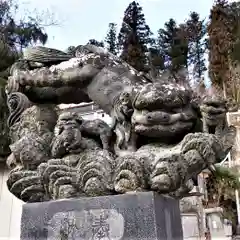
(94, 187)
(56, 174)
(184, 189)
(67, 191)
(129, 175)
(26, 185)
(61, 178)
(95, 171)
(208, 146)
(167, 173)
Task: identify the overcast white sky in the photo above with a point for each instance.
(81, 20)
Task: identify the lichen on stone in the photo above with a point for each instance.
(161, 137)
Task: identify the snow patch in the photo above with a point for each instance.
(174, 86)
(65, 106)
(73, 62)
(132, 72)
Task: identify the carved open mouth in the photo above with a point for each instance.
(215, 116)
(156, 131)
(213, 111)
(210, 117)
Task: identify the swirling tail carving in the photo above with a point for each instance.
(17, 104)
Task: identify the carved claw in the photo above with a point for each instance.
(95, 169)
(25, 185)
(183, 190)
(58, 190)
(129, 174)
(207, 145)
(16, 175)
(173, 169)
(94, 187)
(167, 173)
(60, 178)
(33, 193)
(67, 191)
(55, 174)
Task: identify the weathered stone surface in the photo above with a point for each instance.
(157, 142)
(214, 110)
(139, 216)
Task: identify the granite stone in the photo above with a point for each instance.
(143, 215)
(162, 135)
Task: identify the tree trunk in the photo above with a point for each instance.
(4, 137)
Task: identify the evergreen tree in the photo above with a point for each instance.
(156, 59)
(96, 43)
(234, 9)
(180, 49)
(111, 38)
(174, 42)
(196, 29)
(134, 37)
(14, 36)
(233, 85)
(220, 32)
(71, 50)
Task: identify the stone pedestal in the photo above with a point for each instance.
(145, 215)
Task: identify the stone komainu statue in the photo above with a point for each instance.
(162, 135)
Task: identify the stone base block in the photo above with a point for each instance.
(143, 215)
